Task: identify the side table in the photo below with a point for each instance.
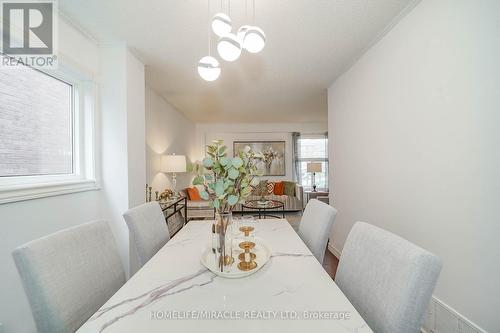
(320, 195)
(170, 209)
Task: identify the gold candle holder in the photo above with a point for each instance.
(228, 260)
(248, 263)
(242, 256)
(247, 230)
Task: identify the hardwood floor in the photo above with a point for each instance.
(330, 263)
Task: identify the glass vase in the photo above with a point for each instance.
(224, 238)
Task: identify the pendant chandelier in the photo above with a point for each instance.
(208, 66)
(221, 24)
(230, 45)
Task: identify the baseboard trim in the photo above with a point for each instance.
(432, 320)
(334, 250)
(454, 319)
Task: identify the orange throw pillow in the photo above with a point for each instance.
(193, 194)
(279, 188)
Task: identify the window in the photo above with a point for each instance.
(46, 126)
(312, 148)
(36, 123)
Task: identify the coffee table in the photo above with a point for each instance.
(266, 209)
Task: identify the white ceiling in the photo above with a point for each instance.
(309, 43)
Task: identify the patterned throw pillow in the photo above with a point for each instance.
(257, 190)
(270, 187)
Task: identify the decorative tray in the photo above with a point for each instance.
(261, 251)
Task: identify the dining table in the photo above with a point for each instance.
(175, 292)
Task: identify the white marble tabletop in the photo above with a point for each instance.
(174, 292)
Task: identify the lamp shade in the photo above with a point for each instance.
(173, 163)
(314, 167)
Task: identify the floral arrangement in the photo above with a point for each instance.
(227, 181)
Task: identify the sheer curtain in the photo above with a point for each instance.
(296, 158)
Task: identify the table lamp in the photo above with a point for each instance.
(173, 164)
(314, 167)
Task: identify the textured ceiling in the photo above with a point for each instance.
(309, 43)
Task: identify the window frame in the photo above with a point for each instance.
(325, 159)
(83, 176)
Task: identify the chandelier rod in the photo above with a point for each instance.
(208, 21)
(254, 12)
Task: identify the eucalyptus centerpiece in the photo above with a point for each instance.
(226, 182)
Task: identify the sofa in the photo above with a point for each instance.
(200, 209)
(294, 202)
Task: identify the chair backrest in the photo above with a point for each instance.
(388, 279)
(315, 226)
(69, 275)
(148, 230)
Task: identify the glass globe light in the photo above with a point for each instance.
(221, 24)
(229, 47)
(242, 31)
(254, 40)
(209, 68)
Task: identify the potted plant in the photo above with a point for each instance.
(226, 182)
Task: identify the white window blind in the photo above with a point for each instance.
(36, 123)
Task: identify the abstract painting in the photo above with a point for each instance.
(273, 163)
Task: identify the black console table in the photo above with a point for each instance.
(170, 209)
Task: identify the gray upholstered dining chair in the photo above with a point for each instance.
(388, 279)
(148, 230)
(315, 226)
(69, 275)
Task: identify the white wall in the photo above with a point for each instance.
(123, 138)
(28, 220)
(114, 144)
(414, 127)
(258, 132)
(136, 129)
(167, 131)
